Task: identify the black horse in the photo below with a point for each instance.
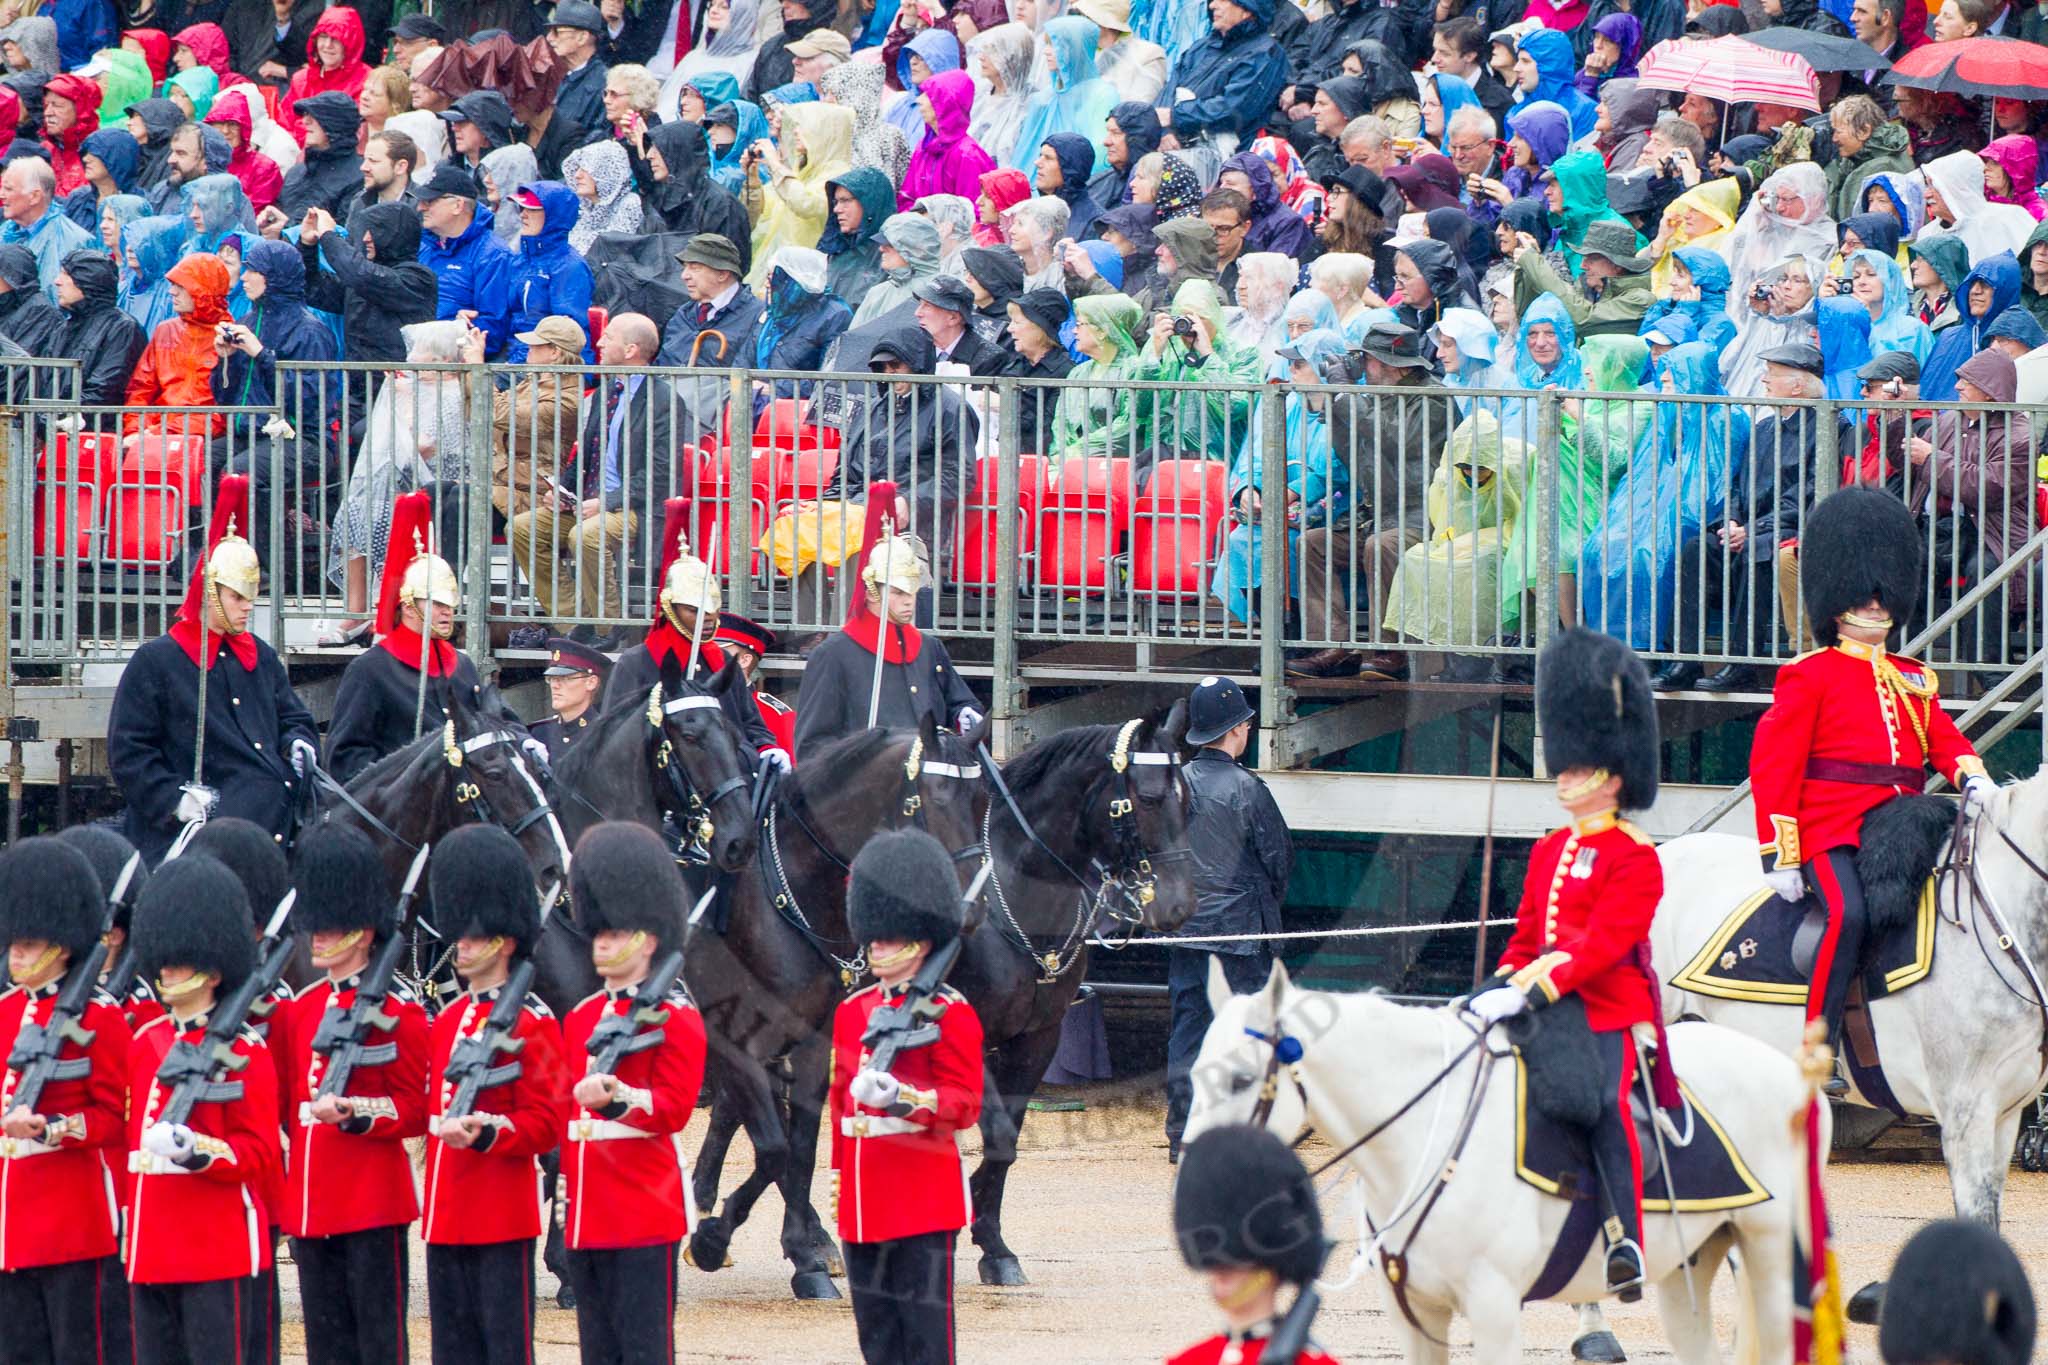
(769, 980)
(1111, 807)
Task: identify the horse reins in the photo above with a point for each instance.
(1963, 859)
(689, 805)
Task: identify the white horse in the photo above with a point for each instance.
(1485, 1240)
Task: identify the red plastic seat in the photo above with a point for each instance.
(158, 460)
(1082, 523)
(974, 545)
(803, 477)
(66, 520)
(712, 497)
(1174, 526)
(597, 318)
(145, 525)
(92, 457)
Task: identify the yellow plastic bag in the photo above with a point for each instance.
(808, 533)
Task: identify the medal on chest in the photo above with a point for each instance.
(1582, 865)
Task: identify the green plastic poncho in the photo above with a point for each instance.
(1445, 591)
(1100, 419)
(1195, 423)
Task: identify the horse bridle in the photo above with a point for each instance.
(1962, 859)
(468, 795)
(693, 809)
(915, 765)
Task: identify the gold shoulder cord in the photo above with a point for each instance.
(1907, 691)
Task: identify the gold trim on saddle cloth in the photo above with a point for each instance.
(1701, 976)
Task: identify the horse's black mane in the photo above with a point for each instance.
(837, 763)
(1028, 771)
(398, 760)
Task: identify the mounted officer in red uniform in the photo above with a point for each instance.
(1592, 888)
(1851, 726)
(1245, 1215)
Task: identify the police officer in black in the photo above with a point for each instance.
(576, 674)
(260, 738)
(1242, 857)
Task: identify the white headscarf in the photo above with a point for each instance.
(1986, 228)
(1765, 234)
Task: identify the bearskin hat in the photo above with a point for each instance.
(49, 891)
(1857, 544)
(108, 853)
(1594, 702)
(482, 886)
(623, 877)
(247, 849)
(194, 913)
(1957, 1293)
(902, 888)
(1243, 1198)
(340, 882)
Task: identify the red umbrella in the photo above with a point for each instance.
(2006, 68)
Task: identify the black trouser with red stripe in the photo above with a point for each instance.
(480, 1303)
(55, 1314)
(211, 1322)
(903, 1298)
(1832, 877)
(353, 1286)
(1617, 1161)
(626, 1304)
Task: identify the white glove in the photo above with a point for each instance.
(74, 423)
(535, 750)
(778, 759)
(1978, 790)
(1787, 883)
(173, 1141)
(304, 756)
(1502, 1002)
(875, 1089)
(195, 803)
(969, 718)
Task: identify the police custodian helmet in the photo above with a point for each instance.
(1594, 703)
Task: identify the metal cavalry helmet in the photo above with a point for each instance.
(1596, 710)
(230, 561)
(686, 580)
(412, 571)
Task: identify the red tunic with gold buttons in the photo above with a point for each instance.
(625, 1173)
(493, 1195)
(899, 1175)
(1222, 1349)
(1851, 712)
(1587, 902)
(780, 718)
(347, 1178)
(187, 1226)
(60, 1195)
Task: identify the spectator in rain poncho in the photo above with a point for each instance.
(261, 178)
(2015, 162)
(1844, 327)
(1786, 318)
(1273, 226)
(947, 159)
(1076, 100)
(953, 216)
(1468, 352)
(603, 180)
(1131, 132)
(1935, 268)
(854, 256)
(1264, 281)
(791, 210)
(1317, 483)
(1192, 423)
(109, 157)
(747, 125)
(886, 147)
(727, 50)
(1703, 218)
(1062, 167)
(1698, 292)
(1788, 217)
(1539, 132)
(71, 114)
(1676, 485)
(149, 248)
(683, 197)
(1545, 70)
(1101, 418)
(126, 82)
(1578, 198)
(216, 206)
(1443, 95)
(1003, 61)
(1878, 232)
(1986, 291)
(505, 170)
(1900, 195)
(1309, 311)
(2034, 273)
(1001, 191)
(930, 52)
(909, 256)
(194, 90)
(1877, 283)
(1617, 39)
(1471, 245)
(1956, 205)
(1444, 591)
(996, 276)
(803, 319)
(116, 213)
(35, 39)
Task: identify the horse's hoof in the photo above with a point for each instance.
(1002, 1270)
(710, 1245)
(1599, 1348)
(1867, 1304)
(813, 1284)
(565, 1299)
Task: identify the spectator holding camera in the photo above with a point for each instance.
(176, 367)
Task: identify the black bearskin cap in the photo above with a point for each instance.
(623, 877)
(49, 891)
(246, 849)
(1957, 1294)
(902, 888)
(108, 853)
(194, 913)
(1858, 544)
(483, 887)
(340, 882)
(1597, 711)
(1243, 1198)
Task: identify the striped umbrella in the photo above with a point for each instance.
(1731, 70)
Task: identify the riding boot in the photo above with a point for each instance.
(1622, 1224)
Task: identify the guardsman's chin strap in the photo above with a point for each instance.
(619, 959)
(1594, 781)
(901, 955)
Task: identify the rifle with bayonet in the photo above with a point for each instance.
(343, 1035)
(618, 1036)
(470, 1066)
(36, 1047)
(1290, 1337)
(913, 1021)
(198, 1072)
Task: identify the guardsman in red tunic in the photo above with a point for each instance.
(1245, 1215)
(483, 1170)
(198, 1232)
(898, 1178)
(349, 1199)
(749, 642)
(1850, 727)
(108, 853)
(1592, 888)
(629, 1204)
(59, 1195)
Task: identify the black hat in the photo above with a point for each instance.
(1888, 365)
(999, 269)
(1857, 544)
(1243, 1198)
(1797, 355)
(902, 888)
(578, 14)
(567, 657)
(482, 886)
(1628, 194)
(1045, 309)
(947, 292)
(713, 250)
(48, 890)
(744, 634)
(420, 26)
(340, 881)
(195, 914)
(1215, 708)
(449, 178)
(108, 853)
(624, 877)
(1958, 1294)
(1595, 708)
(254, 855)
(1397, 344)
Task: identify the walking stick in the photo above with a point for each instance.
(1486, 856)
(875, 688)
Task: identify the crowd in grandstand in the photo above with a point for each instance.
(1481, 195)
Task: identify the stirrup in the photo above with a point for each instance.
(1625, 1270)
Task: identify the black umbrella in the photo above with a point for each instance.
(1823, 51)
